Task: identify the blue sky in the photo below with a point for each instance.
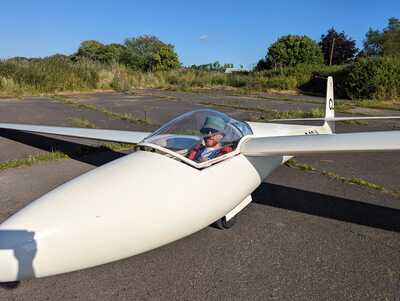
(237, 32)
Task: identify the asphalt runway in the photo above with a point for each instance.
(306, 236)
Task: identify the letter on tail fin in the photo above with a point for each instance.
(330, 105)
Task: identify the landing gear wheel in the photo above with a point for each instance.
(223, 224)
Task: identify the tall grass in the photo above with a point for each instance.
(189, 79)
(59, 73)
(53, 74)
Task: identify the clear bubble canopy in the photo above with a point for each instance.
(188, 130)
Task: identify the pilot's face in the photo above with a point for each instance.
(213, 139)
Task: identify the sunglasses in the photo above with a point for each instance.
(210, 135)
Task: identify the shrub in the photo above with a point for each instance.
(367, 78)
(374, 78)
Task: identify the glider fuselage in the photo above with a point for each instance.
(128, 206)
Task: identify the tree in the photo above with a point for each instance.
(148, 53)
(94, 51)
(292, 50)
(385, 42)
(337, 48)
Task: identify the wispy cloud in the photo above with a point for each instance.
(203, 37)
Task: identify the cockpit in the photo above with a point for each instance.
(201, 137)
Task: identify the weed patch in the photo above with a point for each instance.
(292, 163)
(81, 122)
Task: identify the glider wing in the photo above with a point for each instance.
(97, 134)
(317, 144)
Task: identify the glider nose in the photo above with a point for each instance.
(17, 253)
(126, 207)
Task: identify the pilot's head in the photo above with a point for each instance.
(213, 129)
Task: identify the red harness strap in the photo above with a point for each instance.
(225, 150)
(194, 151)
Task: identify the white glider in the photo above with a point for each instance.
(161, 192)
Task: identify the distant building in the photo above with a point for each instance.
(233, 70)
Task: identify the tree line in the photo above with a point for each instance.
(143, 53)
(148, 53)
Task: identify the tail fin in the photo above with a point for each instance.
(330, 105)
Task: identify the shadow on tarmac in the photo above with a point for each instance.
(76, 151)
(10, 285)
(23, 246)
(328, 206)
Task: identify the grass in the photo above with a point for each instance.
(81, 122)
(48, 75)
(117, 147)
(33, 159)
(113, 115)
(58, 155)
(354, 181)
(301, 166)
(379, 104)
(292, 163)
(313, 113)
(345, 105)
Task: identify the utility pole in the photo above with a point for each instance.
(333, 46)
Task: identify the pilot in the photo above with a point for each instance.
(211, 146)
